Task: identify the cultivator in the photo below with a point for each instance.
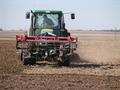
(45, 42)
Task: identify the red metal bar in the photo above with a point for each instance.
(48, 41)
(23, 38)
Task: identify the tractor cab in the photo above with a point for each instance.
(47, 23)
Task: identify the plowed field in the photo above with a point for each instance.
(94, 66)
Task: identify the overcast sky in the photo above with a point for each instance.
(90, 14)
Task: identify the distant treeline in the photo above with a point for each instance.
(97, 30)
(1, 29)
(108, 30)
(118, 30)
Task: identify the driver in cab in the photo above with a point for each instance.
(47, 22)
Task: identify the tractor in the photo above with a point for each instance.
(47, 38)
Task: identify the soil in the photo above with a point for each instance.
(59, 82)
(94, 66)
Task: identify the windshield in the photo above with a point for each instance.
(47, 21)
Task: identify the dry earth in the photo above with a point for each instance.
(94, 66)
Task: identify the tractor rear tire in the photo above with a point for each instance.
(64, 62)
(32, 61)
(26, 61)
(29, 61)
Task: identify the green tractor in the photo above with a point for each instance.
(47, 39)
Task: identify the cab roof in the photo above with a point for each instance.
(46, 11)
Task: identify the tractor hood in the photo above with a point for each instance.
(47, 32)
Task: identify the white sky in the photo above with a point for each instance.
(90, 14)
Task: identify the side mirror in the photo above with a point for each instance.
(28, 15)
(72, 16)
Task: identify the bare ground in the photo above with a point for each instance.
(59, 82)
(94, 66)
